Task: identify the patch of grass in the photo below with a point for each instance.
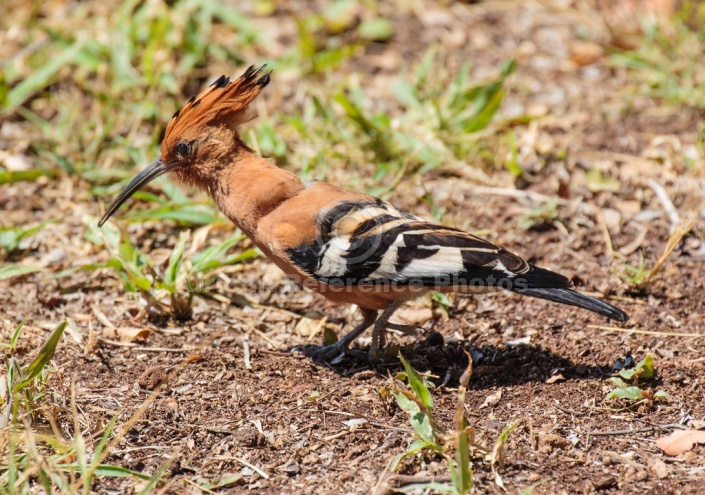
(541, 216)
(12, 344)
(457, 446)
(639, 276)
(442, 300)
(11, 176)
(11, 237)
(34, 460)
(418, 402)
(671, 65)
(176, 206)
(316, 52)
(629, 391)
(177, 280)
(438, 120)
(95, 88)
(635, 274)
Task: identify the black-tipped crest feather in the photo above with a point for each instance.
(223, 102)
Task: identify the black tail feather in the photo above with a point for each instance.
(540, 278)
(573, 298)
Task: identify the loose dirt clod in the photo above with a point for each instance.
(151, 377)
(549, 442)
(248, 437)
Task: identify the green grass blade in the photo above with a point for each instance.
(186, 214)
(82, 457)
(109, 471)
(175, 260)
(10, 237)
(156, 477)
(208, 259)
(42, 77)
(463, 473)
(530, 489)
(45, 354)
(12, 176)
(106, 436)
(419, 421)
(16, 334)
(425, 65)
(417, 384)
(10, 271)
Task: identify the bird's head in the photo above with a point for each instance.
(202, 138)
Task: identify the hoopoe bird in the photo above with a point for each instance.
(348, 246)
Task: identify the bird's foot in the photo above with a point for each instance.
(331, 354)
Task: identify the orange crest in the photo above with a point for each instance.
(223, 103)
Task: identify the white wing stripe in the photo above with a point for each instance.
(446, 261)
(333, 263)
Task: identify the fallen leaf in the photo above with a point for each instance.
(354, 423)
(680, 441)
(414, 316)
(555, 378)
(492, 400)
(597, 182)
(586, 53)
(329, 336)
(126, 334)
(309, 327)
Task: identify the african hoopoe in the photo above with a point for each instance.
(348, 246)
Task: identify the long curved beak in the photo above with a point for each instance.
(153, 170)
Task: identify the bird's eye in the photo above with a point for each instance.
(182, 149)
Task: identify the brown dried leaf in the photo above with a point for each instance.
(309, 327)
(696, 424)
(126, 334)
(680, 441)
(414, 316)
(194, 358)
(492, 400)
(558, 377)
(586, 53)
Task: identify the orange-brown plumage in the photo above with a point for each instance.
(348, 246)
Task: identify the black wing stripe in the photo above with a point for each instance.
(370, 224)
(407, 254)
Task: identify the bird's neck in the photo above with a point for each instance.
(251, 188)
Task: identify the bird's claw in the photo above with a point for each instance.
(326, 353)
(331, 354)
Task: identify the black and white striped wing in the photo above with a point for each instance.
(375, 243)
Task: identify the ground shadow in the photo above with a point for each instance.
(492, 366)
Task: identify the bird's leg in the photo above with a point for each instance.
(343, 345)
(378, 330)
